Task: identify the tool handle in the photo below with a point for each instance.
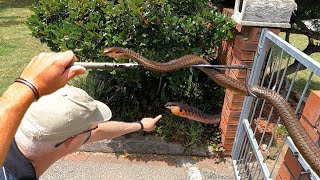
(105, 65)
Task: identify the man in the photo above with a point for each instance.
(58, 124)
(45, 73)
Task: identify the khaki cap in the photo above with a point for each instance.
(62, 114)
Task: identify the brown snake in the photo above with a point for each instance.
(192, 113)
(302, 140)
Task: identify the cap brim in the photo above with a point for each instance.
(103, 112)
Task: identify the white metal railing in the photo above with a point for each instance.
(273, 57)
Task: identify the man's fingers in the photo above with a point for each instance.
(73, 71)
(158, 118)
(67, 57)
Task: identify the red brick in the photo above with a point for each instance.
(232, 75)
(278, 177)
(234, 105)
(245, 44)
(227, 129)
(239, 73)
(76, 157)
(227, 152)
(293, 164)
(223, 123)
(225, 50)
(232, 127)
(222, 52)
(223, 115)
(234, 113)
(223, 119)
(228, 126)
(229, 59)
(238, 27)
(232, 120)
(226, 140)
(243, 55)
(312, 108)
(284, 173)
(234, 97)
(98, 158)
(254, 34)
(228, 146)
(229, 113)
(224, 107)
(231, 134)
(313, 133)
(238, 61)
(275, 30)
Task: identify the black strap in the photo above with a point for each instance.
(87, 138)
(30, 85)
(142, 127)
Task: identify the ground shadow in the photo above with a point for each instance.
(8, 21)
(170, 160)
(15, 4)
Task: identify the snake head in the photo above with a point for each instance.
(116, 52)
(174, 107)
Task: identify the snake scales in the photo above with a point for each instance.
(190, 112)
(302, 140)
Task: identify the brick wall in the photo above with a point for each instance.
(238, 51)
(310, 120)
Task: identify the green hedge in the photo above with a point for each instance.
(157, 29)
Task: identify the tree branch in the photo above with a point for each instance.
(309, 33)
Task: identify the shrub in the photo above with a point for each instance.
(157, 29)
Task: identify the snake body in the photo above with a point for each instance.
(190, 112)
(303, 142)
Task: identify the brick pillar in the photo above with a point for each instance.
(310, 120)
(238, 51)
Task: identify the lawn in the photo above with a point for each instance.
(301, 42)
(17, 46)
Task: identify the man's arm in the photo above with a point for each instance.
(13, 105)
(48, 73)
(113, 129)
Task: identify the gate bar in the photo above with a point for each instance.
(255, 148)
(302, 161)
(304, 59)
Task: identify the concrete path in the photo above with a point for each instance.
(93, 166)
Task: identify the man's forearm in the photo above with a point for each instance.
(13, 105)
(113, 129)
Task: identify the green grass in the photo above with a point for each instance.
(17, 46)
(301, 42)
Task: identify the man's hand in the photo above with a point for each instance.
(150, 123)
(51, 71)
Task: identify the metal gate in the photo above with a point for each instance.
(260, 138)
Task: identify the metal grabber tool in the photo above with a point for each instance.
(105, 65)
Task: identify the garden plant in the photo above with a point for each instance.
(158, 29)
